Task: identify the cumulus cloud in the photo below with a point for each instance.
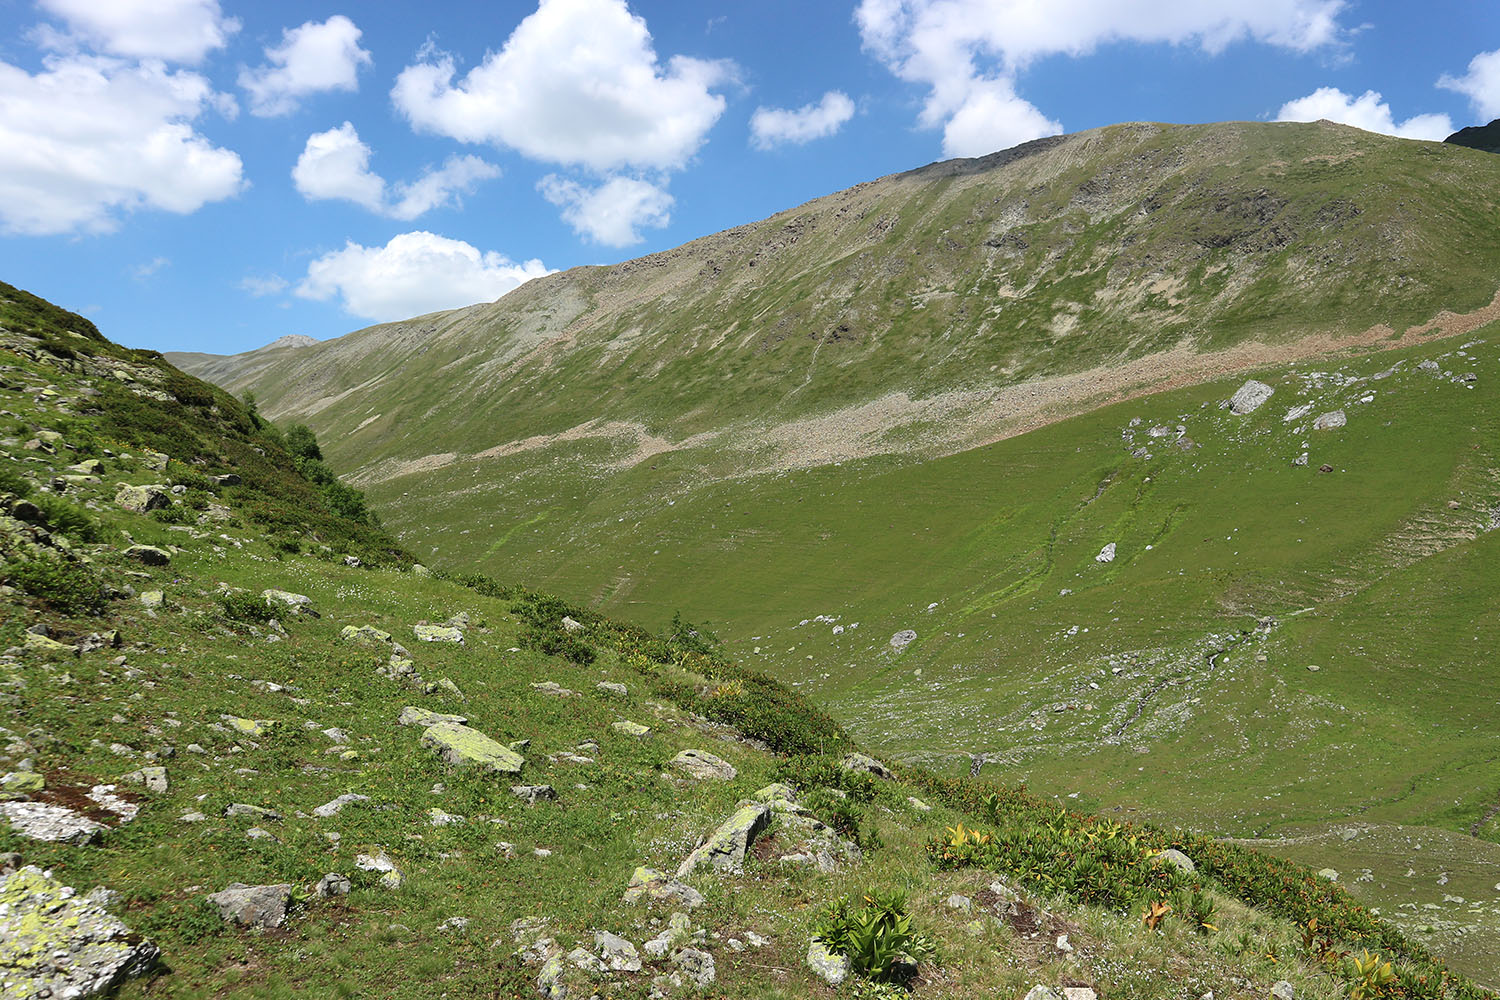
(1481, 84)
(311, 59)
(968, 53)
(1367, 111)
(91, 137)
(577, 83)
(414, 273)
(336, 165)
(611, 213)
(175, 30)
(771, 127)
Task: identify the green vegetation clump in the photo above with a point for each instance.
(66, 587)
(878, 938)
(238, 606)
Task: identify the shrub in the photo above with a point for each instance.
(12, 481)
(245, 607)
(67, 519)
(65, 587)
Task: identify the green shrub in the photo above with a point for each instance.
(70, 520)
(64, 587)
(245, 607)
(11, 481)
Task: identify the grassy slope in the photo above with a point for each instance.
(974, 275)
(1368, 572)
(190, 663)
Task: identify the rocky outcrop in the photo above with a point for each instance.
(56, 943)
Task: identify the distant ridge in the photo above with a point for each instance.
(1485, 137)
(291, 340)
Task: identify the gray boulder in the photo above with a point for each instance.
(253, 905)
(617, 954)
(833, 968)
(142, 499)
(1249, 397)
(411, 715)
(465, 747)
(724, 850)
(652, 886)
(148, 555)
(703, 765)
(532, 794)
(1177, 860)
(333, 884)
(1329, 421)
(903, 638)
(867, 764)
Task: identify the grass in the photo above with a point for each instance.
(204, 655)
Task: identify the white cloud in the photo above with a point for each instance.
(612, 212)
(1367, 111)
(90, 137)
(336, 165)
(145, 270)
(311, 59)
(773, 126)
(414, 273)
(968, 53)
(176, 30)
(992, 117)
(1481, 84)
(261, 286)
(577, 83)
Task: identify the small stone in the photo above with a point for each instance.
(329, 809)
(246, 727)
(612, 688)
(617, 954)
(631, 728)
(333, 884)
(532, 794)
(148, 555)
(918, 804)
(957, 902)
(1283, 990)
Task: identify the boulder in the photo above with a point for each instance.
(336, 806)
(253, 905)
(52, 823)
(437, 633)
(571, 624)
(142, 499)
(37, 643)
(227, 479)
(617, 954)
(1106, 554)
(696, 964)
(255, 812)
(611, 687)
(365, 635)
(245, 727)
(459, 745)
(55, 942)
(632, 728)
(411, 715)
(867, 764)
(1042, 993)
(652, 886)
(703, 765)
(724, 851)
(298, 602)
(148, 555)
(1249, 397)
(832, 967)
(1328, 421)
(1283, 990)
(1175, 858)
(902, 639)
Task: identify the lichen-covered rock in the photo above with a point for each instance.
(365, 635)
(142, 499)
(253, 905)
(56, 943)
(617, 954)
(698, 965)
(867, 764)
(148, 555)
(465, 747)
(703, 765)
(36, 643)
(1329, 421)
(412, 715)
(832, 967)
(1175, 858)
(532, 794)
(336, 806)
(298, 602)
(245, 727)
(52, 823)
(437, 633)
(652, 886)
(632, 728)
(724, 851)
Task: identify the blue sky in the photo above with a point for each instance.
(211, 174)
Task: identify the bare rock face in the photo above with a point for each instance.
(44, 821)
(1249, 397)
(56, 943)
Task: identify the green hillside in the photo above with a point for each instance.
(209, 700)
